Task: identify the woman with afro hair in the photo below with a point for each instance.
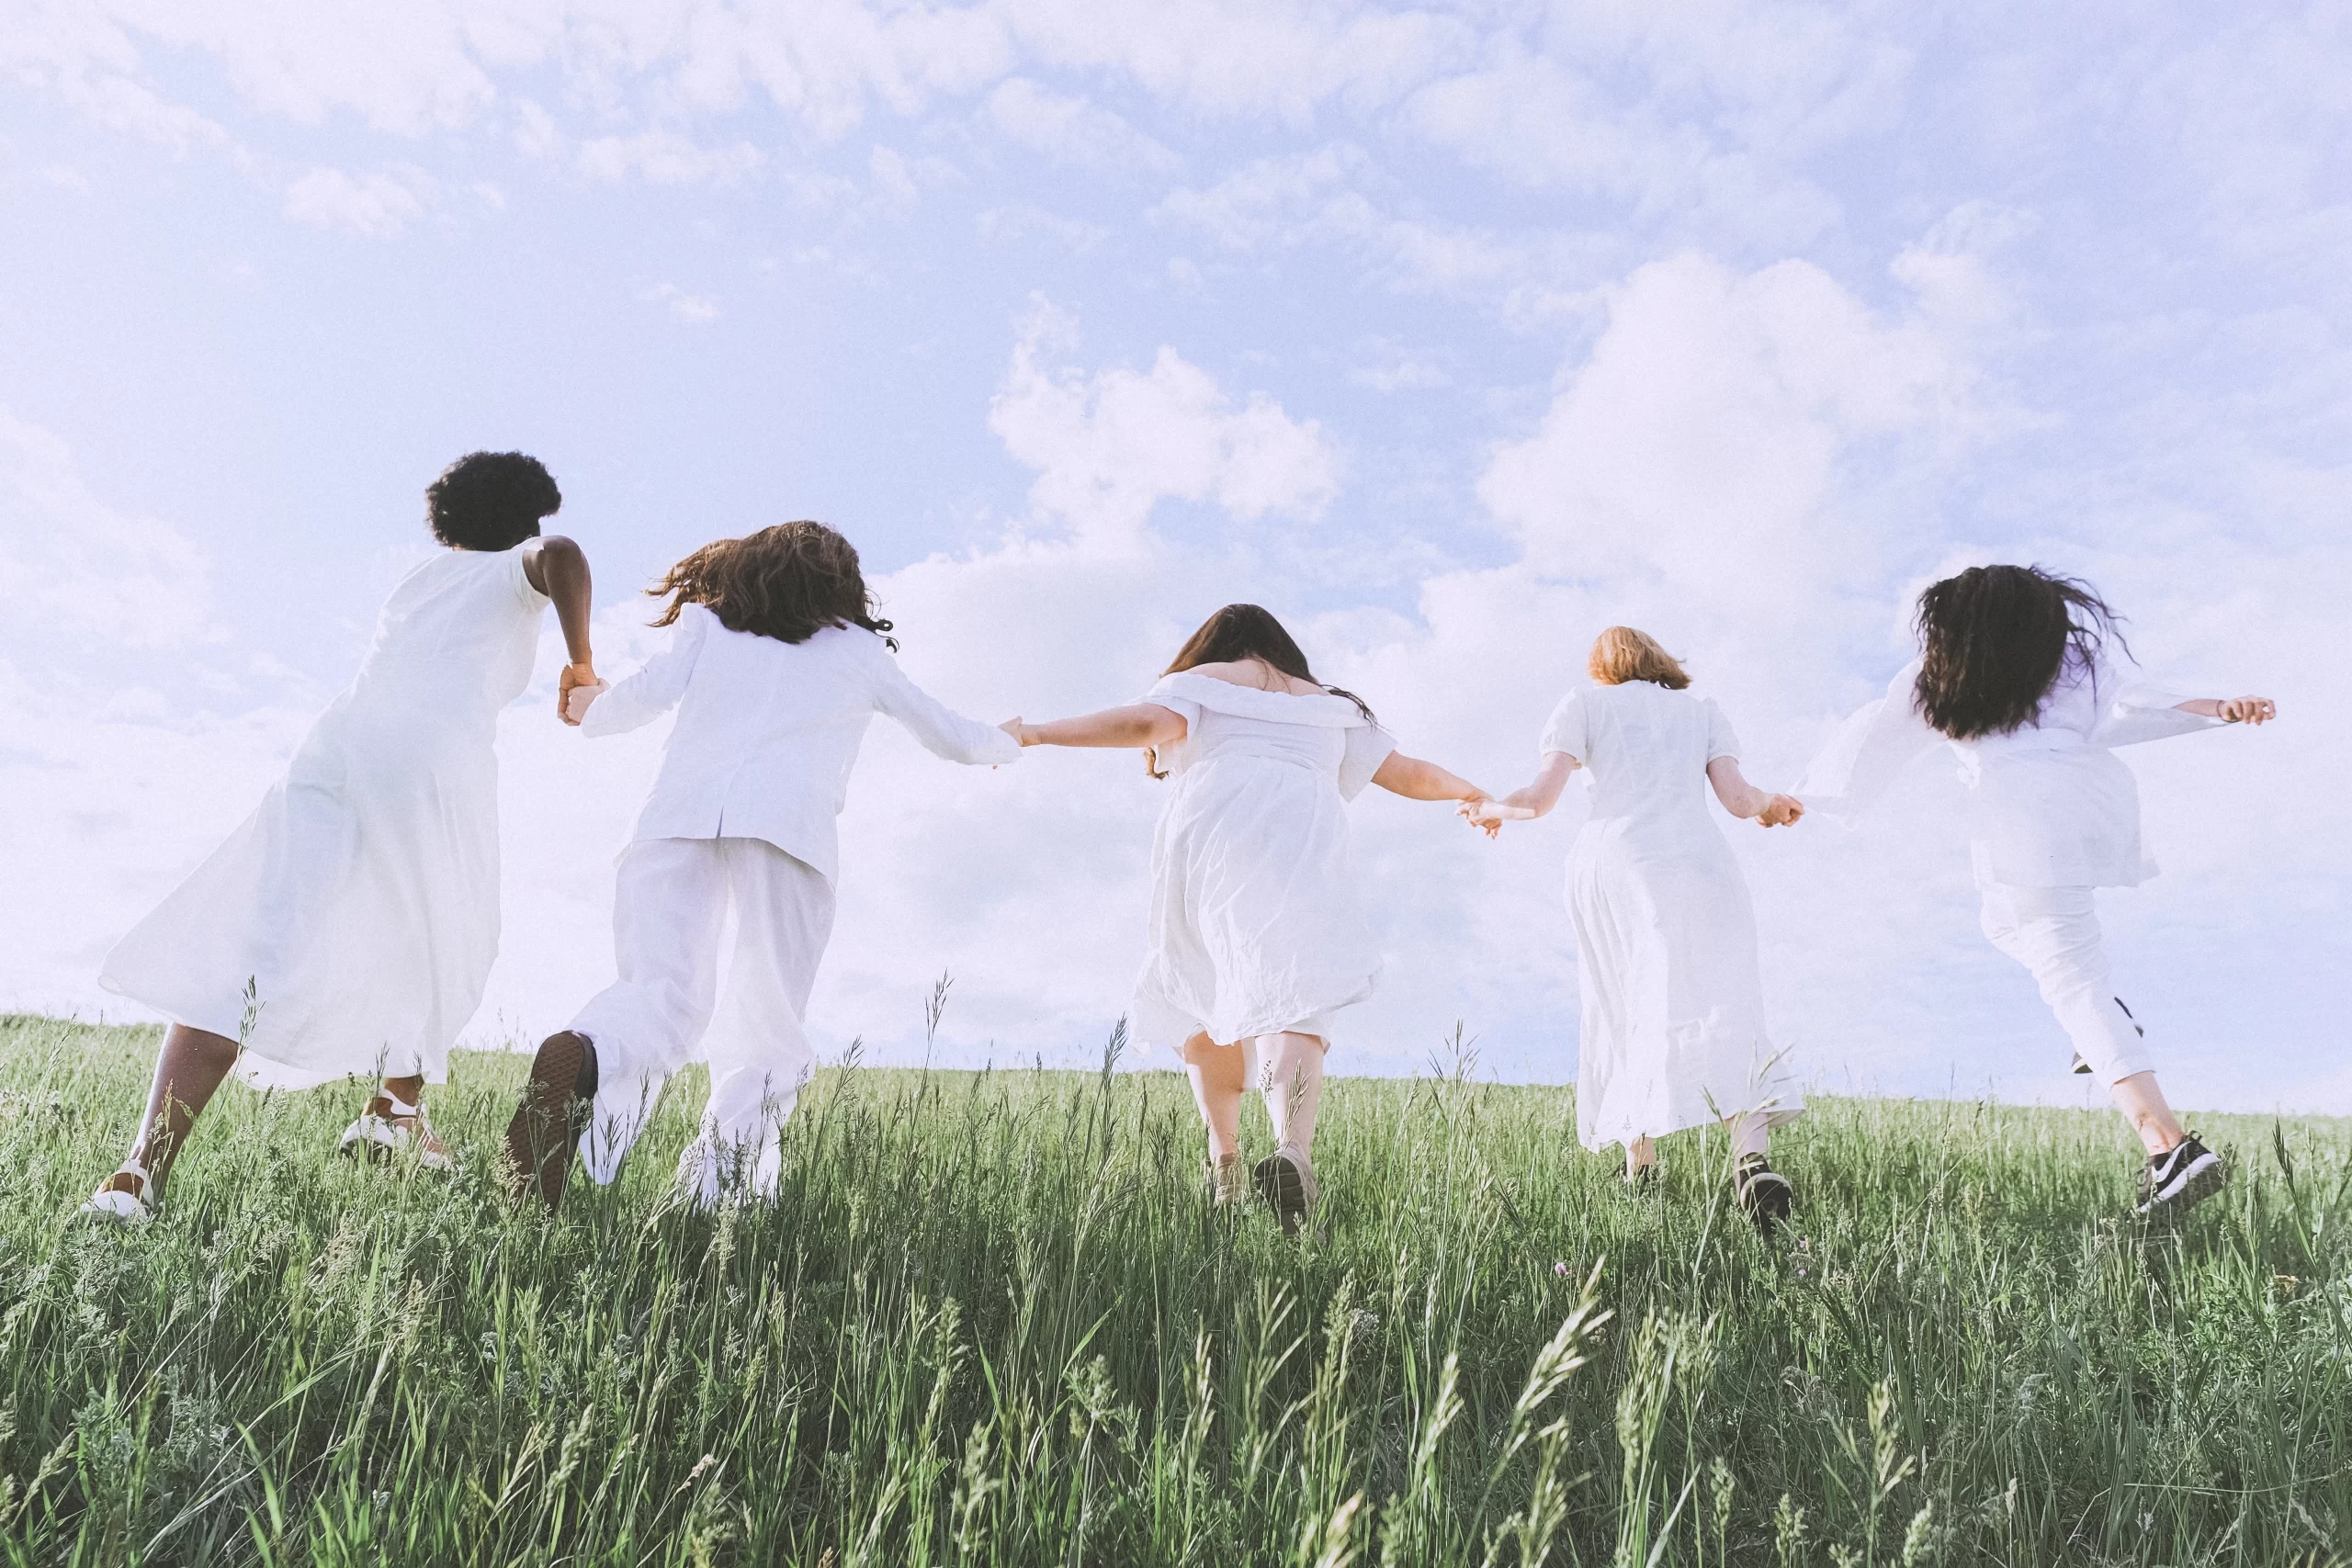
(348, 927)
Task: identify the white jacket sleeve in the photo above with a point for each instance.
(1868, 752)
(942, 731)
(657, 685)
(2140, 710)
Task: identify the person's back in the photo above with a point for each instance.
(1648, 750)
(458, 635)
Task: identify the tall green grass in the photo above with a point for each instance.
(992, 1319)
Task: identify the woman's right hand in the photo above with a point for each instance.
(2247, 710)
(1780, 811)
(1018, 730)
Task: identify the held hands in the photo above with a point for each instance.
(1022, 734)
(1488, 815)
(580, 677)
(2246, 710)
(1780, 811)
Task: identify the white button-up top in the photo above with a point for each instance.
(767, 731)
(2051, 806)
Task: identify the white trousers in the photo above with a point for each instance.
(670, 911)
(2053, 931)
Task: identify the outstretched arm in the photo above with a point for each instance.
(2231, 710)
(1417, 780)
(1134, 727)
(1535, 800)
(1743, 800)
(559, 568)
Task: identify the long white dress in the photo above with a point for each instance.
(1257, 924)
(359, 902)
(1672, 1029)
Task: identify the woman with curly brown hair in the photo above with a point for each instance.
(776, 666)
(2022, 671)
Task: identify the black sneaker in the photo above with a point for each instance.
(557, 1103)
(2181, 1178)
(1765, 1194)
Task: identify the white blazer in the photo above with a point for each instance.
(767, 731)
(2050, 806)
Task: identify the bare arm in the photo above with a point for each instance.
(2231, 710)
(1133, 728)
(1534, 799)
(1743, 800)
(1417, 780)
(559, 568)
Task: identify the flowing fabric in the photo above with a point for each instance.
(349, 925)
(1671, 1034)
(1257, 924)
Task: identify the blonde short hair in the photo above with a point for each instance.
(1621, 654)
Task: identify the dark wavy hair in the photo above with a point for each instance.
(1995, 638)
(789, 583)
(489, 500)
(1245, 631)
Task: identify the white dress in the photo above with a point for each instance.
(1257, 926)
(1672, 1029)
(2050, 804)
(360, 901)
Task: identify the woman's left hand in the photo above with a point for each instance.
(2247, 710)
(1780, 811)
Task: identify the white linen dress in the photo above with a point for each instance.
(1257, 924)
(2053, 816)
(360, 900)
(1671, 1034)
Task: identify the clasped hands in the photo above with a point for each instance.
(1488, 815)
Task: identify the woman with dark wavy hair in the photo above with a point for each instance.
(1260, 950)
(776, 663)
(2024, 674)
(348, 927)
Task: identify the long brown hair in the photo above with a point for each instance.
(1995, 638)
(789, 583)
(1240, 632)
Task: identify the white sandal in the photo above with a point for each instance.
(388, 1128)
(128, 1195)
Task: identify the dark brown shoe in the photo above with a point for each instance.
(1287, 1181)
(557, 1104)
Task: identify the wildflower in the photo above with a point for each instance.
(1559, 1267)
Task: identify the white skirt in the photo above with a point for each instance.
(1257, 926)
(348, 926)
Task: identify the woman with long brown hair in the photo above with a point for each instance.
(1260, 950)
(2022, 671)
(776, 666)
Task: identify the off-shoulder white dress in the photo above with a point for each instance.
(1257, 923)
(359, 902)
(1672, 1030)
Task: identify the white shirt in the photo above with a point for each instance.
(2051, 806)
(767, 731)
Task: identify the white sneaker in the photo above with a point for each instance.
(388, 1129)
(126, 1196)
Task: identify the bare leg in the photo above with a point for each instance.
(1294, 1086)
(2142, 1104)
(188, 1071)
(1218, 1084)
(1640, 1155)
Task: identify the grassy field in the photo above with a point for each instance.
(992, 1319)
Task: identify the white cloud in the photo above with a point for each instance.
(1073, 130)
(688, 309)
(664, 157)
(377, 205)
(1110, 446)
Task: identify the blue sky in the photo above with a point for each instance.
(1454, 334)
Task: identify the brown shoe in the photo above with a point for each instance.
(1286, 1180)
(557, 1104)
(1229, 1181)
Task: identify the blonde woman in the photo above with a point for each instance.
(1672, 1032)
(1260, 947)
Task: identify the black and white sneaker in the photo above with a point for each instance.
(2181, 1178)
(1764, 1193)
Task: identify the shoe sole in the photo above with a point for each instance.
(545, 1132)
(1768, 1200)
(2206, 1175)
(1283, 1188)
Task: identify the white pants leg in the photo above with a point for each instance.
(2053, 931)
(758, 1051)
(669, 913)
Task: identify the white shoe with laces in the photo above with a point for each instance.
(388, 1128)
(126, 1196)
